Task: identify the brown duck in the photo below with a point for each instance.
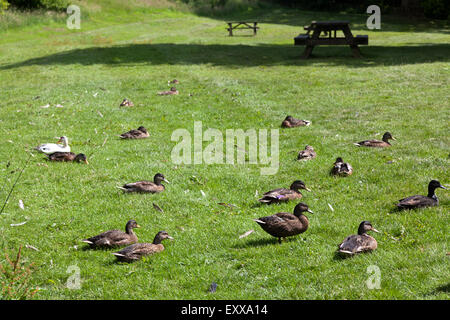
(290, 122)
(127, 103)
(114, 238)
(138, 250)
(145, 186)
(172, 90)
(283, 224)
(282, 194)
(419, 201)
(361, 242)
(377, 143)
(307, 154)
(139, 133)
(174, 81)
(341, 168)
(68, 157)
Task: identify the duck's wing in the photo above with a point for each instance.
(357, 243)
(277, 223)
(132, 134)
(299, 122)
(61, 156)
(144, 185)
(416, 202)
(279, 194)
(372, 143)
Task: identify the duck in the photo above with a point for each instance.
(307, 154)
(284, 224)
(126, 103)
(377, 143)
(290, 122)
(341, 168)
(145, 186)
(361, 242)
(114, 238)
(172, 90)
(136, 251)
(68, 157)
(419, 201)
(282, 194)
(139, 133)
(174, 81)
(49, 148)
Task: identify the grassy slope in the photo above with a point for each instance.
(242, 82)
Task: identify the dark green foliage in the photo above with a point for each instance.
(436, 9)
(40, 4)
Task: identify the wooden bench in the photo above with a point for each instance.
(242, 25)
(329, 29)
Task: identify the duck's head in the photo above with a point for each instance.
(81, 158)
(131, 224)
(387, 136)
(289, 118)
(142, 129)
(173, 89)
(159, 178)
(160, 236)
(364, 227)
(300, 208)
(308, 147)
(298, 184)
(339, 160)
(434, 184)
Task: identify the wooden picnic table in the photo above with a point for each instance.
(242, 25)
(329, 29)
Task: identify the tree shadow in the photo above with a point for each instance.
(236, 56)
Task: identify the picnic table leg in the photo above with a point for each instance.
(230, 30)
(307, 52)
(254, 28)
(349, 36)
(355, 51)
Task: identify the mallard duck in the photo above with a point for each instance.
(419, 201)
(114, 238)
(174, 81)
(146, 186)
(138, 133)
(127, 103)
(136, 251)
(283, 194)
(307, 154)
(172, 90)
(68, 156)
(49, 148)
(361, 242)
(341, 168)
(283, 224)
(290, 122)
(377, 143)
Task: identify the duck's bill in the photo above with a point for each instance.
(169, 237)
(394, 139)
(441, 186)
(138, 226)
(85, 161)
(310, 211)
(375, 230)
(307, 189)
(165, 180)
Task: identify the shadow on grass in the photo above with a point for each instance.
(265, 242)
(235, 56)
(441, 289)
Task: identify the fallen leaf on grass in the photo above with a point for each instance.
(249, 232)
(18, 224)
(31, 247)
(157, 207)
(21, 205)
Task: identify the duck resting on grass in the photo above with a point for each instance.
(419, 201)
(68, 157)
(136, 251)
(307, 154)
(290, 122)
(126, 103)
(283, 224)
(361, 242)
(341, 168)
(114, 238)
(377, 143)
(145, 186)
(282, 194)
(172, 90)
(138, 133)
(49, 148)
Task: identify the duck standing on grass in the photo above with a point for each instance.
(138, 250)
(377, 143)
(282, 194)
(284, 224)
(114, 238)
(145, 186)
(419, 201)
(361, 242)
(49, 148)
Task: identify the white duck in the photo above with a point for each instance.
(49, 148)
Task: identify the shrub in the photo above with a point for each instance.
(3, 5)
(436, 9)
(40, 4)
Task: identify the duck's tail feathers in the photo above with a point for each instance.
(118, 254)
(87, 241)
(259, 221)
(308, 123)
(346, 252)
(357, 144)
(265, 200)
(122, 188)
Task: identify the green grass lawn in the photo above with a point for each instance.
(243, 82)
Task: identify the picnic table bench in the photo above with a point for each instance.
(329, 28)
(241, 25)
